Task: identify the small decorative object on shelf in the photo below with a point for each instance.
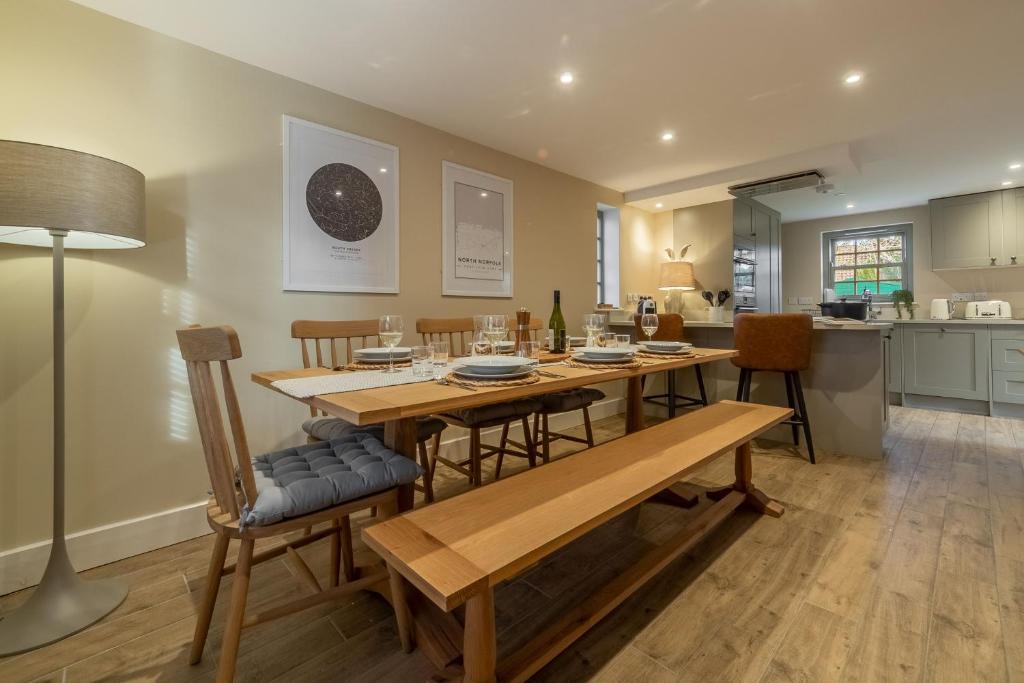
(903, 297)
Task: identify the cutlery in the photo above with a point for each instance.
(447, 382)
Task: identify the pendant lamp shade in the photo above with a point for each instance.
(99, 202)
(677, 275)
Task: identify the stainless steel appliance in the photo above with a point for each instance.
(744, 274)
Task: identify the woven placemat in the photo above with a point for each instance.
(518, 382)
(628, 365)
(681, 354)
(405, 363)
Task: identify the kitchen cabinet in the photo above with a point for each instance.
(756, 225)
(967, 231)
(978, 230)
(894, 361)
(950, 361)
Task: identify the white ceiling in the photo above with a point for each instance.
(750, 87)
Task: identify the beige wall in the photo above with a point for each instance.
(206, 132)
(802, 267)
(643, 238)
(708, 228)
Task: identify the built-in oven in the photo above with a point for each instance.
(744, 274)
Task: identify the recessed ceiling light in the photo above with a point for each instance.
(1007, 182)
(566, 78)
(840, 194)
(483, 194)
(337, 193)
(658, 205)
(383, 170)
(853, 78)
(1015, 166)
(850, 205)
(668, 136)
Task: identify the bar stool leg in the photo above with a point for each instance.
(700, 385)
(739, 384)
(803, 415)
(792, 404)
(670, 384)
(746, 386)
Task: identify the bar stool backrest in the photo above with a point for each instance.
(670, 328)
(779, 342)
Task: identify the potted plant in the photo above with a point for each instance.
(903, 297)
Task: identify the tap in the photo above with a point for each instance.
(866, 296)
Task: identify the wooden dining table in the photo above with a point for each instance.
(398, 406)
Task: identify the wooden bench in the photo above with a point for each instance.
(456, 551)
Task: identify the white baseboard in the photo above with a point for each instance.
(23, 567)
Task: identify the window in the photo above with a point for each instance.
(874, 259)
(600, 256)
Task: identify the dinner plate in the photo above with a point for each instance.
(605, 352)
(492, 365)
(379, 353)
(591, 359)
(674, 347)
(463, 371)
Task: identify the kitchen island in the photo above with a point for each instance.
(845, 388)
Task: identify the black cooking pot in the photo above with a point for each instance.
(858, 310)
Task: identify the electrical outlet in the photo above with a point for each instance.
(791, 300)
(962, 296)
(981, 296)
(804, 300)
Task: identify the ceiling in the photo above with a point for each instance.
(750, 88)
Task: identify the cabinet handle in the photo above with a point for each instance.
(1013, 260)
(993, 260)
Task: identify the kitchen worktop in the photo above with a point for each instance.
(957, 321)
(818, 326)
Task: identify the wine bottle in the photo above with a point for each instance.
(556, 326)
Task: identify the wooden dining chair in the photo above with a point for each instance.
(320, 340)
(481, 417)
(670, 328)
(242, 509)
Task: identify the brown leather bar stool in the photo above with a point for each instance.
(779, 342)
(670, 328)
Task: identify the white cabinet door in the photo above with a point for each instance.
(1013, 227)
(967, 231)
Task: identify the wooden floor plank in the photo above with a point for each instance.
(965, 640)
(815, 648)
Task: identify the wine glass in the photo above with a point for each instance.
(649, 324)
(496, 329)
(390, 329)
(592, 324)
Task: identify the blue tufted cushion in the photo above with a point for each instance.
(301, 480)
(571, 399)
(329, 428)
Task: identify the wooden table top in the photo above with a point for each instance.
(372, 406)
(459, 546)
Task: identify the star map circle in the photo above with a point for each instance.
(344, 202)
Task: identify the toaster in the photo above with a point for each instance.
(987, 309)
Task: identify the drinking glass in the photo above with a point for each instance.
(529, 349)
(649, 324)
(390, 329)
(622, 341)
(439, 351)
(422, 361)
(481, 347)
(592, 324)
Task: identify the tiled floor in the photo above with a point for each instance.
(910, 568)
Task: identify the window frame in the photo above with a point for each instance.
(600, 257)
(906, 230)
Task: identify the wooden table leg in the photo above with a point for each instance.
(756, 499)
(634, 405)
(400, 436)
(480, 651)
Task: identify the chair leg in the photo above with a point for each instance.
(220, 551)
(803, 415)
(670, 387)
(739, 384)
(433, 457)
(236, 613)
(474, 457)
(700, 385)
(501, 451)
(334, 577)
(792, 404)
(348, 560)
(545, 444)
(428, 484)
(588, 427)
(531, 446)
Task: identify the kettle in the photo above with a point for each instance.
(942, 309)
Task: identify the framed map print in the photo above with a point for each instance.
(340, 211)
(476, 233)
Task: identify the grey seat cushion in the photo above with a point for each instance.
(301, 480)
(329, 428)
(496, 413)
(571, 399)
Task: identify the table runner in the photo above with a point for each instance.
(339, 382)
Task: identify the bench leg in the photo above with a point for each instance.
(756, 499)
(479, 654)
(634, 405)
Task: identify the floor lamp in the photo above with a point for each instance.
(59, 198)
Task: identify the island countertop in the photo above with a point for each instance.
(818, 326)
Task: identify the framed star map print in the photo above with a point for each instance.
(476, 239)
(340, 211)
